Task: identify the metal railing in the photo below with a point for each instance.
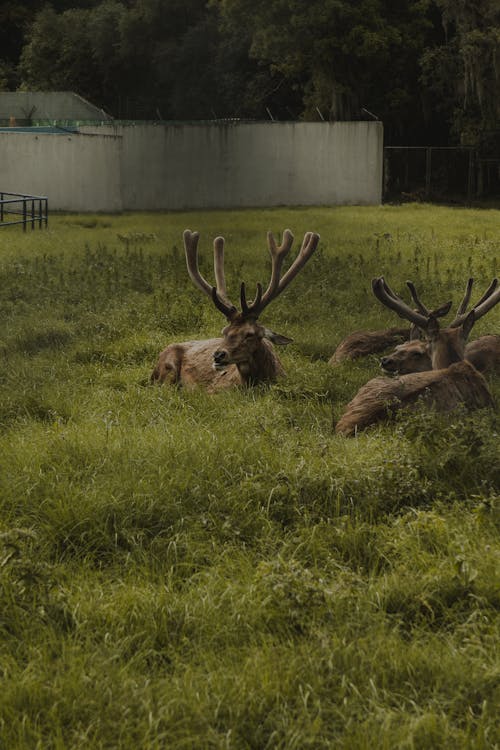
(32, 209)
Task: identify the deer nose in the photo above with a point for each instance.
(219, 356)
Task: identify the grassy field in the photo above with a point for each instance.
(180, 570)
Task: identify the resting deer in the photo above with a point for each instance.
(245, 354)
(362, 343)
(414, 355)
(452, 380)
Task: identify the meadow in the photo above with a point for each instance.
(183, 570)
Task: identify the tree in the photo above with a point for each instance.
(427, 68)
(132, 58)
(58, 53)
(337, 58)
(466, 69)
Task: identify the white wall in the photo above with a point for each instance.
(186, 166)
(76, 172)
(257, 164)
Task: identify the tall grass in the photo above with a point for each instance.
(190, 571)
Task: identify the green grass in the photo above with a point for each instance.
(180, 570)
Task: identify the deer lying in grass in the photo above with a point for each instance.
(414, 355)
(452, 380)
(362, 343)
(244, 355)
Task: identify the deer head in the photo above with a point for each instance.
(443, 346)
(411, 356)
(244, 339)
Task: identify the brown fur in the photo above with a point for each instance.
(363, 343)
(444, 389)
(413, 356)
(247, 358)
(452, 379)
(484, 353)
(447, 346)
(191, 363)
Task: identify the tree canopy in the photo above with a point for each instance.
(428, 68)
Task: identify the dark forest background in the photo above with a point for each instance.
(430, 69)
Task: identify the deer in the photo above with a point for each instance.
(451, 382)
(244, 355)
(362, 343)
(414, 355)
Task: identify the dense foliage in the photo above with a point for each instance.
(180, 570)
(427, 68)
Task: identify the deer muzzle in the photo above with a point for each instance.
(388, 364)
(220, 357)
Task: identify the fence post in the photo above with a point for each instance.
(24, 214)
(386, 175)
(470, 176)
(428, 166)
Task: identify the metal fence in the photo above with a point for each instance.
(28, 210)
(453, 174)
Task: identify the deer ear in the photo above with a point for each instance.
(415, 333)
(467, 324)
(276, 338)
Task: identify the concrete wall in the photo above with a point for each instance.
(189, 166)
(256, 164)
(52, 105)
(76, 172)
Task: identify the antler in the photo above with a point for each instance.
(278, 254)
(437, 312)
(387, 297)
(218, 294)
(489, 299)
(309, 245)
(422, 316)
(466, 298)
(276, 284)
